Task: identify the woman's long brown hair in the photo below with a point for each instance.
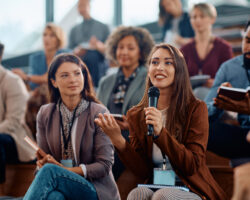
(182, 92)
(88, 91)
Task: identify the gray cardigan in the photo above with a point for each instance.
(93, 147)
(133, 95)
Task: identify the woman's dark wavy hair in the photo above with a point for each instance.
(143, 38)
(88, 91)
(182, 92)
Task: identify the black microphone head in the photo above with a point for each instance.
(153, 92)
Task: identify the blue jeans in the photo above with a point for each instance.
(53, 183)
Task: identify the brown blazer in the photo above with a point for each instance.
(187, 157)
(93, 148)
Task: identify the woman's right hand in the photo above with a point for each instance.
(109, 125)
(46, 159)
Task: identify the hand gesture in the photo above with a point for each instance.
(123, 123)
(42, 160)
(226, 103)
(154, 117)
(109, 125)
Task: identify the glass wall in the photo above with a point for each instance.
(139, 12)
(20, 25)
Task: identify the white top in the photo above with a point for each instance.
(156, 154)
(73, 140)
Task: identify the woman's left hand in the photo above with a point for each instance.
(109, 125)
(48, 159)
(154, 117)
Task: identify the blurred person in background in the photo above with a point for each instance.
(87, 41)
(205, 53)
(176, 28)
(13, 99)
(54, 40)
(229, 139)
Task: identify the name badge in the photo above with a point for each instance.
(67, 163)
(164, 177)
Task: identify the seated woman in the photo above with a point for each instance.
(129, 47)
(180, 124)
(79, 155)
(206, 52)
(176, 28)
(53, 41)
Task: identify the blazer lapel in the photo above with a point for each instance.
(56, 148)
(148, 139)
(80, 131)
(133, 87)
(108, 90)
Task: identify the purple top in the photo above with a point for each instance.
(220, 52)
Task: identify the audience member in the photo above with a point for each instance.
(79, 155)
(87, 39)
(205, 53)
(229, 140)
(53, 41)
(129, 47)
(180, 132)
(176, 29)
(13, 99)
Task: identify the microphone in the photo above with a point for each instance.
(153, 95)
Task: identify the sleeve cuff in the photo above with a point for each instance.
(84, 169)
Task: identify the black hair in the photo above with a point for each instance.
(88, 91)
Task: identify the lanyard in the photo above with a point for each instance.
(164, 165)
(66, 140)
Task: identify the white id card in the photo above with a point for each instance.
(164, 177)
(67, 163)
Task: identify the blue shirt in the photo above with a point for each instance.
(231, 71)
(38, 64)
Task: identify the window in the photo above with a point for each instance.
(21, 24)
(139, 12)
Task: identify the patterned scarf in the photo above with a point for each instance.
(122, 85)
(67, 117)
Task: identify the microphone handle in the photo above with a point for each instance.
(152, 103)
(150, 129)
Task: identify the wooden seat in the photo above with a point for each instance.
(18, 179)
(221, 171)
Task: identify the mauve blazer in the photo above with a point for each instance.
(186, 157)
(93, 148)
